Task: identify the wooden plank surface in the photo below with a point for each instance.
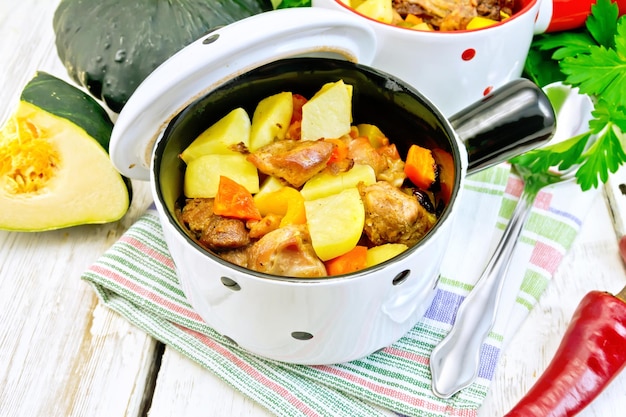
(61, 352)
(64, 354)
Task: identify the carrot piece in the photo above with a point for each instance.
(340, 151)
(420, 167)
(446, 172)
(234, 200)
(412, 19)
(350, 261)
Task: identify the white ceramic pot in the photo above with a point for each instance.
(454, 69)
(303, 320)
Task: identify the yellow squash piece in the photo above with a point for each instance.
(55, 175)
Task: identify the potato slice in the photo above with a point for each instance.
(221, 137)
(335, 223)
(269, 185)
(202, 176)
(372, 132)
(380, 10)
(328, 114)
(271, 120)
(326, 183)
(379, 254)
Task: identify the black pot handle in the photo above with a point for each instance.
(515, 118)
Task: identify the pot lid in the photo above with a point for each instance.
(218, 57)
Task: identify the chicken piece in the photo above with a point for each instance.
(489, 9)
(286, 251)
(394, 174)
(442, 8)
(294, 161)
(361, 151)
(392, 216)
(458, 18)
(212, 231)
(237, 256)
(224, 233)
(259, 228)
(507, 6)
(405, 7)
(197, 213)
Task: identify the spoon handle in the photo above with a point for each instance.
(455, 360)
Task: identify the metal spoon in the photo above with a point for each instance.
(455, 360)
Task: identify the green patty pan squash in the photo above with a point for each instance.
(55, 170)
(110, 46)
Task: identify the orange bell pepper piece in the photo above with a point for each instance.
(420, 167)
(354, 260)
(340, 151)
(234, 200)
(286, 202)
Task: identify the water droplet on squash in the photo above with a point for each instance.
(120, 55)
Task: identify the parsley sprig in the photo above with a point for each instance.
(593, 59)
(285, 4)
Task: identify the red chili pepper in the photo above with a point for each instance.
(592, 352)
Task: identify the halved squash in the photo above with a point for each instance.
(55, 171)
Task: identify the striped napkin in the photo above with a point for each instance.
(136, 278)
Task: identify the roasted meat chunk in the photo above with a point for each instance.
(212, 231)
(295, 161)
(286, 251)
(197, 213)
(392, 216)
(237, 256)
(360, 151)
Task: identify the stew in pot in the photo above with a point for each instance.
(299, 190)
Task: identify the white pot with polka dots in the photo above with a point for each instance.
(454, 69)
(293, 319)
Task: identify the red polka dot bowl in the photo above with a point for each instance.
(457, 68)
